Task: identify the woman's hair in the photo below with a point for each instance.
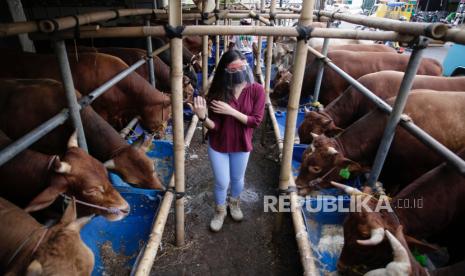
(218, 89)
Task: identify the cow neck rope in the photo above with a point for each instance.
(110, 210)
(29, 238)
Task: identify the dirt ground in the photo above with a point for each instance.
(246, 248)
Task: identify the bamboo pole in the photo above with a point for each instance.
(262, 19)
(269, 54)
(159, 31)
(434, 30)
(161, 49)
(175, 19)
(150, 252)
(298, 70)
(205, 60)
(125, 131)
(62, 23)
(8, 29)
(217, 38)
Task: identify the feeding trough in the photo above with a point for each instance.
(281, 119)
(323, 215)
(116, 245)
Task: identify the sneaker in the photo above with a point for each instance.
(234, 209)
(217, 222)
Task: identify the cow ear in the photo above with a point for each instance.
(48, 196)
(79, 223)
(334, 131)
(34, 268)
(349, 164)
(70, 213)
(423, 247)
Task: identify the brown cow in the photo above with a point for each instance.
(437, 113)
(356, 64)
(104, 142)
(441, 193)
(30, 248)
(352, 104)
(283, 78)
(132, 55)
(34, 180)
(132, 96)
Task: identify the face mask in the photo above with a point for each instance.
(238, 75)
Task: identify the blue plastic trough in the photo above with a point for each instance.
(281, 119)
(116, 245)
(324, 229)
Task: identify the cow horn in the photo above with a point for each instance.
(314, 135)
(347, 189)
(377, 236)
(332, 151)
(73, 142)
(63, 168)
(399, 251)
(110, 164)
(400, 264)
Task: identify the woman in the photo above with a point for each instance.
(235, 107)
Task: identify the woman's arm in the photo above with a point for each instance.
(200, 109)
(224, 108)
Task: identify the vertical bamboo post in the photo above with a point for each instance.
(204, 56)
(401, 101)
(175, 19)
(68, 85)
(269, 53)
(150, 57)
(258, 69)
(321, 68)
(225, 22)
(217, 37)
(293, 104)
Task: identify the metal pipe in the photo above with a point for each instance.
(33, 136)
(67, 80)
(150, 58)
(87, 100)
(399, 105)
(321, 68)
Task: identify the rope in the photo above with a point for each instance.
(110, 210)
(304, 32)
(173, 32)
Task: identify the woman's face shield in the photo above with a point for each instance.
(238, 73)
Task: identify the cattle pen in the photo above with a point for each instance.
(57, 30)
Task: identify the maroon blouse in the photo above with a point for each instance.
(229, 134)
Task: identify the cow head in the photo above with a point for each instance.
(62, 251)
(322, 162)
(365, 244)
(282, 84)
(134, 166)
(155, 116)
(187, 90)
(82, 176)
(318, 122)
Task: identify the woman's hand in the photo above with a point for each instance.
(200, 107)
(221, 107)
